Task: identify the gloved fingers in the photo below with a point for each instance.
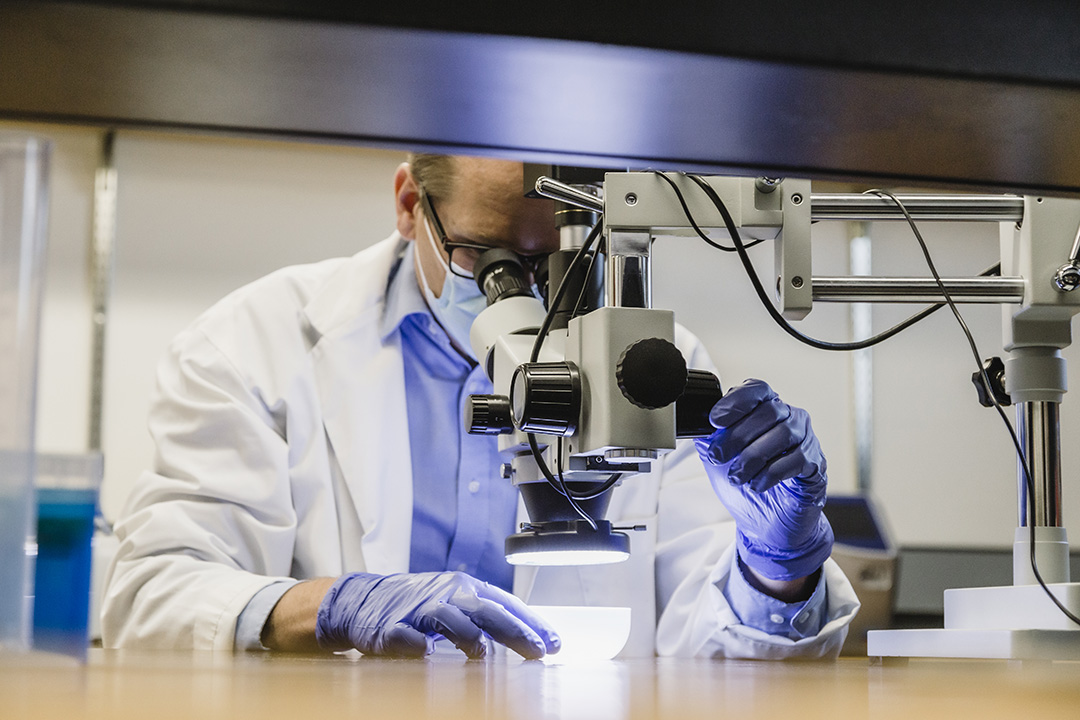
(401, 640)
(740, 401)
(505, 628)
(785, 467)
(805, 465)
(447, 620)
(729, 443)
(757, 463)
(517, 607)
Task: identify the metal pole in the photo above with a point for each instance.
(102, 256)
(968, 208)
(918, 290)
(1039, 431)
(551, 188)
(628, 277)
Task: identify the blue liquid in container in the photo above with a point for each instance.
(62, 575)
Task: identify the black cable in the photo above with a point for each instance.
(763, 296)
(585, 494)
(858, 345)
(559, 486)
(558, 483)
(611, 481)
(1028, 479)
(615, 477)
(597, 492)
(584, 284)
(563, 285)
(701, 234)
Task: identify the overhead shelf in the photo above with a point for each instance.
(955, 93)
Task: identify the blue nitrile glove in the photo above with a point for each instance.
(766, 465)
(402, 615)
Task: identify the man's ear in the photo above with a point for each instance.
(406, 198)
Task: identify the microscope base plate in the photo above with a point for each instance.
(999, 644)
(1010, 622)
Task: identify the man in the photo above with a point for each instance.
(314, 489)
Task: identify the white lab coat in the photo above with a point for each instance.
(283, 452)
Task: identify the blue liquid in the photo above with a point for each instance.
(62, 575)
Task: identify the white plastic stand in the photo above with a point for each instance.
(1017, 622)
(1014, 623)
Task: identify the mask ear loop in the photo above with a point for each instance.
(420, 264)
(434, 245)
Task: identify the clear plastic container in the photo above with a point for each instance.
(23, 208)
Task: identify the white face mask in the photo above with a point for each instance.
(460, 302)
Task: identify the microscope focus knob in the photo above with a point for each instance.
(651, 373)
(488, 415)
(546, 398)
(693, 407)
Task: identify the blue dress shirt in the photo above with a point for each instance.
(462, 508)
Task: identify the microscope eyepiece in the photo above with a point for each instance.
(500, 274)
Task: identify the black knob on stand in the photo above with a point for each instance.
(995, 372)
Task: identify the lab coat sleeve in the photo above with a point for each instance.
(252, 619)
(694, 559)
(214, 523)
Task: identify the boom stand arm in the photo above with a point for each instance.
(1021, 621)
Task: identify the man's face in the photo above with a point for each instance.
(485, 208)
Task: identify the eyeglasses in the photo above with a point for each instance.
(465, 255)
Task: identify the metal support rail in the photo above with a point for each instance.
(854, 206)
(968, 208)
(918, 290)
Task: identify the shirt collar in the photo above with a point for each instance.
(405, 303)
(403, 298)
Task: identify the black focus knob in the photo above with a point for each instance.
(546, 398)
(995, 372)
(488, 415)
(694, 405)
(651, 373)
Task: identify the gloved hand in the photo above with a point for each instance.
(401, 615)
(766, 465)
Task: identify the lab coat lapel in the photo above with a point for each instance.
(362, 391)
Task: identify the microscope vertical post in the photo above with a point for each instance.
(628, 280)
(1035, 377)
(1038, 428)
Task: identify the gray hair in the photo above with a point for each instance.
(436, 174)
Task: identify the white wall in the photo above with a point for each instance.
(199, 216)
(711, 294)
(943, 466)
